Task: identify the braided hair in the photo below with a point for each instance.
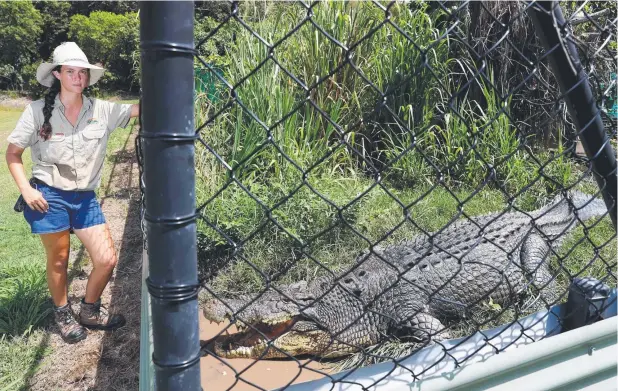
(50, 98)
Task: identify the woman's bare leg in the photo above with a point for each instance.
(100, 245)
(57, 250)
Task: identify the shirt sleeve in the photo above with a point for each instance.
(24, 129)
(119, 115)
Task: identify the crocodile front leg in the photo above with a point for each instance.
(423, 327)
(535, 260)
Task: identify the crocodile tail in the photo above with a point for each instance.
(585, 206)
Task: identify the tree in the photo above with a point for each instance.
(20, 28)
(55, 16)
(217, 10)
(117, 7)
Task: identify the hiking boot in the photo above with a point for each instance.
(70, 329)
(95, 316)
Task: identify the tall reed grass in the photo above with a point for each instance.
(345, 85)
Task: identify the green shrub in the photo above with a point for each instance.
(20, 28)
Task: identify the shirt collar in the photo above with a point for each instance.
(86, 102)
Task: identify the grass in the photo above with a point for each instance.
(344, 96)
(20, 356)
(20, 252)
(24, 303)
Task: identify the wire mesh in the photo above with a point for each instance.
(376, 177)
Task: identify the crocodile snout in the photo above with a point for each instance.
(215, 311)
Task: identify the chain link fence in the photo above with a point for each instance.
(373, 178)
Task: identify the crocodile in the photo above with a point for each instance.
(408, 290)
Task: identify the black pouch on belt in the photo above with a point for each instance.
(20, 205)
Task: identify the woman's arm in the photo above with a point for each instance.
(33, 197)
(134, 110)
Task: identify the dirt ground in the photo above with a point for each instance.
(13, 103)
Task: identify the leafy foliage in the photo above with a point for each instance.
(56, 18)
(117, 7)
(20, 28)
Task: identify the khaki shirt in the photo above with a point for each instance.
(72, 158)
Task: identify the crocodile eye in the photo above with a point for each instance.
(362, 273)
(347, 281)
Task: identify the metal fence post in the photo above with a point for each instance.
(167, 137)
(548, 20)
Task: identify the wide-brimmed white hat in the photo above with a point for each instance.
(68, 53)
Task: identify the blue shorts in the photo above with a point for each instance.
(67, 210)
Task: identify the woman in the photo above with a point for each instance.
(68, 134)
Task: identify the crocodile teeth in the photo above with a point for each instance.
(242, 351)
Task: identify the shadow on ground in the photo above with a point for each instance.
(118, 367)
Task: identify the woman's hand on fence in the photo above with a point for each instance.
(134, 110)
(35, 200)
